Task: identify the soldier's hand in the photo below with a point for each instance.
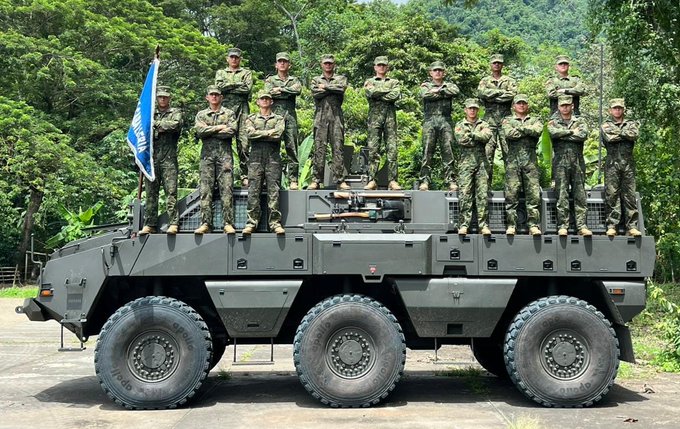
(276, 91)
(321, 86)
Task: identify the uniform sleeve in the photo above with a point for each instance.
(426, 92)
(611, 133)
(509, 131)
(578, 89)
(294, 88)
(482, 133)
(394, 92)
(557, 131)
(318, 92)
(508, 92)
(449, 89)
(202, 128)
(277, 131)
(486, 91)
(551, 88)
(370, 89)
(269, 85)
(462, 135)
(533, 128)
(172, 123)
(245, 85)
(338, 84)
(631, 130)
(580, 133)
(221, 81)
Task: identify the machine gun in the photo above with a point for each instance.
(387, 206)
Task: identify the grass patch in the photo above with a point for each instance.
(472, 377)
(19, 292)
(223, 374)
(525, 422)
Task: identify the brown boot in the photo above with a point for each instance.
(463, 230)
(634, 232)
(279, 230)
(229, 229)
(425, 187)
(486, 231)
(343, 186)
(172, 230)
(248, 230)
(534, 231)
(563, 232)
(611, 232)
(147, 230)
(453, 187)
(371, 186)
(394, 186)
(585, 232)
(510, 231)
(293, 186)
(313, 186)
(203, 229)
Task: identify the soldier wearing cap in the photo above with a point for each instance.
(284, 89)
(473, 135)
(264, 131)
(167, 126)
(564, 84)
(216, 126)
(437, 95)
(382, 93)
(328, 91)
(619, 136)
(520, 133)
(496, 92)
(236, 83)
(568, 132)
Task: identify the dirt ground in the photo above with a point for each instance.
(40, 387)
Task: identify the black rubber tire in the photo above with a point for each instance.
(153, 353)
(219, 347)
(561, 351)
(339, 331)
(489, 354)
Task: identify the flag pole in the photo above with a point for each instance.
(140, 184)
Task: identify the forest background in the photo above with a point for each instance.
(71, 72)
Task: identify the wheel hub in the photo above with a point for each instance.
(350, 353)
(153, 356)
(565, 355)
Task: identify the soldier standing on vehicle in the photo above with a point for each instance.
(473, 135)
(568, 132)
(284, 89)
(437, 95)
(216, 126)
(520, 133)
(264, 131)
(329, 123)
(167, 126)
(236, 83)
(564, 84)
(382, 93)
(619, 136)
(496, 92)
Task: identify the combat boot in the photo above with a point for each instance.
(394, 186)
(486, 231)
(172, 230)
(279, 230)
(293, 186)
(510, 231)
(463, 230)
(203, 229)
(248, 230)
(611, 232)
(534, 231)
(371, 186)
(563, 232)
(147, 230)
(424, 187)
(585, 232)
(343, 186)
(634, 232)
(229, 229)
(313, 186)
(453, 187)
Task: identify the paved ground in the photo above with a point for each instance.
(40, 387)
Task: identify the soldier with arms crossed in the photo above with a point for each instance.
(564, 84)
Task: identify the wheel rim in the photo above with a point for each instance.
(350, 353)
(153, 356)
(564, 354)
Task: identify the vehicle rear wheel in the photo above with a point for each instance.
(349, 351)
(153, 353)
(489, 354)
(562, 352)
(219, 347)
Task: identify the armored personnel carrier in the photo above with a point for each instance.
(358, 278)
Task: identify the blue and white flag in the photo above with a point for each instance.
(140, 135)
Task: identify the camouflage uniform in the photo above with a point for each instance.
(568, 138)
(497, 95)
(472, 139)
(217, 163)
(382, 95)
(167, 126)
(264, 135)
(329, 125)
(284, 105)
(437, 128)
(571, 84)
(619, 173)
(236, 86)
(521, 167)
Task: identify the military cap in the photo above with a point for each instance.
(520, 97)
(438, 65)
(497, 58)
(234, 52)
(213, 89)
(564, 99)
(381, 60)
(617, 102)
(471, 102)
(561, 59)
(328, 58)
(283, 56)
(263, 94)
(163, 91)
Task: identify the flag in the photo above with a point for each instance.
(140, 135)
